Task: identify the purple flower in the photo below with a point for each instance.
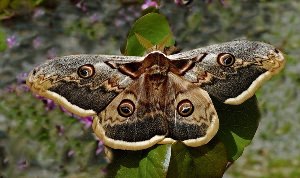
(70, 153)
(95, 17)
(21, 78)
(149, 3)
(22, 164)
(82, 6)
(11, 41)
(37, 42)
(87, 121)
(38, 12)
(66, 111)
(49, 104)
(22, 87)
(100, 147)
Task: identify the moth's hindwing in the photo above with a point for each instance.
(156, 116)
(201, 125)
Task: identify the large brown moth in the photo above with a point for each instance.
(138, 102)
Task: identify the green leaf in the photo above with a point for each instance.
(153, 27)
(238, 124)
(3, 44)
(37, 2)
(4, 4)
(209, 160)
(149, 163)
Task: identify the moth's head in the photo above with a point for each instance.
(236, 54)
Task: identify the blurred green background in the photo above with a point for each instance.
(37, 139)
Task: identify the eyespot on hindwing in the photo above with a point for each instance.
(126, 108)
(185, 108)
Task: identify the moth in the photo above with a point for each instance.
(137, 102)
